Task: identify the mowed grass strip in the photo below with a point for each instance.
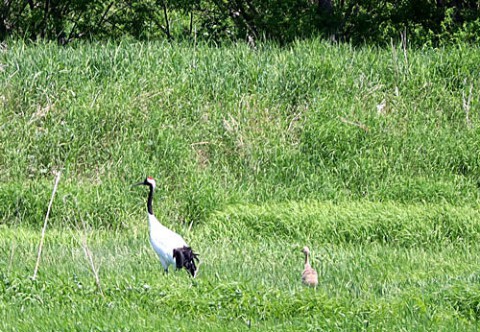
(355, 222)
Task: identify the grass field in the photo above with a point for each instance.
(369, 156)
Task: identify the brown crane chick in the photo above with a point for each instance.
(309, 275)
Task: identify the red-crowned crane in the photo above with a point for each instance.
(170, 247)
(309, 275)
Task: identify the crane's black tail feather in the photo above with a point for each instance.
(185, 257)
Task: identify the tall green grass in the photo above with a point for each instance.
(232, 124)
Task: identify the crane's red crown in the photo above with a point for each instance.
(151, 181)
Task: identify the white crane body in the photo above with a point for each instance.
(164, 241)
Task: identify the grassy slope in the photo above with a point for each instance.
(230, 125)
(264, 151)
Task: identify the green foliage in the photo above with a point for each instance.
(425, 22)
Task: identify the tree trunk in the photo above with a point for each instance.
(167, 22)
(43, 28)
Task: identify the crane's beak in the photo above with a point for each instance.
(138, 184)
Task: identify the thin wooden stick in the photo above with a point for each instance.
(45, 225)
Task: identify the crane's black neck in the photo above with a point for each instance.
(150, 199)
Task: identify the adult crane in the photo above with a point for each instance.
(170, 247)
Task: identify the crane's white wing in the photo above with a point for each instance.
(164, 240)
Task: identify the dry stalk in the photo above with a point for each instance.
(89, 256)
(354, 123)
(403, 36)
(466, 106)
(44, 229)
(294, 120)
(199, 143)
(12, 255)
